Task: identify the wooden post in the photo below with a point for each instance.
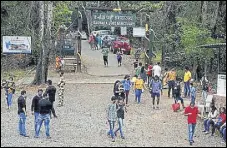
(79, 41)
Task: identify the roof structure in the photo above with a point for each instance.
(217, 45)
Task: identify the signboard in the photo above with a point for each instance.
(139, 32)
(113, 19)
(123, 30)
(221, 85)
(16, 44)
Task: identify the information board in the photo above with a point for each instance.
(221, 85)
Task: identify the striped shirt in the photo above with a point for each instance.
(112, 112)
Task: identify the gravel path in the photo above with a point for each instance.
(82, 122)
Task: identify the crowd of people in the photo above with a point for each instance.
(41, 108)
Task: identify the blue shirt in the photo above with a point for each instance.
(156, 86)
(193, 91)
(126, 84)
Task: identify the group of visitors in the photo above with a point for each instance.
(95, 41)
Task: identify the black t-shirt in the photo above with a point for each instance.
(51, 90)
(21, 104)
(120, 111)
(177, 90)
(35, 103)
(44, 106)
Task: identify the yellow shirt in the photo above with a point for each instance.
(172, 75)
(139, 84)
(187, 76)
(134, 79)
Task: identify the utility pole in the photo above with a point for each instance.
(147, 36)
(79, 40)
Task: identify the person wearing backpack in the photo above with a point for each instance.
(156, 90)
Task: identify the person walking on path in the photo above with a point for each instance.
(192, 112)
(127, 86)
(139, 87)
(119, 57)
(44, 115)
(112, 117)
(171, 77)
(61, 84)
(177, 93)
(157, 70)
(143, 74)
(10, 90)
(149, 72)
(156, 90)
(138, 69)
(35, 106)
(120, 115)
(119, 89)
(204, 90)
(210, 119)
(187, 78)
(51, 91)
(22, 113)
(192, 92)
(105, 52)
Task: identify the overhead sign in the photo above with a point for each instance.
(16, 44)
(221, 85)
(139, 32)
(123, 30)
(113, 19)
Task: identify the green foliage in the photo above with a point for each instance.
(62, 14)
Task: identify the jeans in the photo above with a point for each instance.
(224, 134)
(216, 125)
(179, 98)
(126, 95)
(204, 95)
(111, 131)
(138, 94)
(193, 99)
(207, 124)
(22, 120)
(46, 119)
(170, 86)
(36, 115)
(191, 131)
(120, 124)
(187, 89)
(9, 99)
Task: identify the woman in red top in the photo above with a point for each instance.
(149, 72)
(220, 120)
(192, 112)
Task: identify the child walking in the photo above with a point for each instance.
(119, 57)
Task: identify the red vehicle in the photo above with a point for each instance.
(121, 43)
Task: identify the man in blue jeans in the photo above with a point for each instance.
(192, 112)
(35, 105)
(45, 107)
(187, 78)
(22, 113)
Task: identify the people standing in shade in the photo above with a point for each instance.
(156, 90)
(119, 57)
(112, 117)
(157, 70)
(22, 113)
(44, 115)
(127, 86)
(35, 106)
(187, 78)
(105, 52)
(120, 115)
(139, 88)
(61, 84)
(10, 90)
(51, 91)
(171, 77)
(192, 112)
(192, 92)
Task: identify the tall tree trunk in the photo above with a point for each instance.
(38, 76)
(204, 13)
(213, 24)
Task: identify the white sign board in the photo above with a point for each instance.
(16, 44)
(221, 85)
(123, 30)
(139, 32)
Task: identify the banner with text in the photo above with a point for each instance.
(113, 19)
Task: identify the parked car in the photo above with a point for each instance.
(84, 35)
(67, 48)
(122, 43)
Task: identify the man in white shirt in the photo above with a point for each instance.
(157, 70)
